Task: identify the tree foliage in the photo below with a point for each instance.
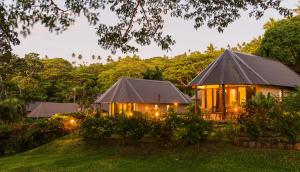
(282, 42)
(249, 47)
(183, 68)
(137, 21)
(10, 110)
(57, 80)
(154, 74)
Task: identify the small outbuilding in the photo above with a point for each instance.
(234, 77)
(47, 109)
(146, 96)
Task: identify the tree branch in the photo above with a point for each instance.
(52, 3)
(145, 14)
(131, 18)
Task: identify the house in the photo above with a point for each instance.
(147, 96)
(31, 106)
(234, 77)
(47, 109)
(104, 107)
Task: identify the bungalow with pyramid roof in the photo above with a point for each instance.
(234, 77)
(147, 96)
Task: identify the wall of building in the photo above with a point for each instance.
(277, 92)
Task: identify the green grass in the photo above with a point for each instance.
(76, 155)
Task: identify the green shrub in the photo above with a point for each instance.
(289, 121)
(10, 110)
(63, 124)
(289, 126)
(160, 129)
(16, 137)
(5, 132)
(268, 116)
(97, 127)
(136, 127)
(291, 101)
(189, 128)
(120, 127)
(223, 132)
(259, 116)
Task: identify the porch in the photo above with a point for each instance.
(221, 102)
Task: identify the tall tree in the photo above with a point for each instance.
(282, 42)
(137, 21)
(153, 74)
(269, 24)
(183, 68)
(56, 79)
(80, 57)
(128, 66)
(109, 59)
(9, 65)
(249, 47)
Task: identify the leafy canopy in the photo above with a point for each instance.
(282, 42)
(137, 21)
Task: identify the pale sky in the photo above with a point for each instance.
(81, 38)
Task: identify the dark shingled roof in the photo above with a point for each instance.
(130, 90)
(238, 68)
(31, 106)
(47, 109)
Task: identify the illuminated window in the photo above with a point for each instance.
(233, 96)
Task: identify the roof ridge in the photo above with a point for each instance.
(116, 90)
(178, 91)
(250, 68)
(135, 91)
(209, 68)
(150, 80)
(107, 91)
(264, 58)
(240, 68)
(56, 102)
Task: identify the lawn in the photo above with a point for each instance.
(76, 155)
